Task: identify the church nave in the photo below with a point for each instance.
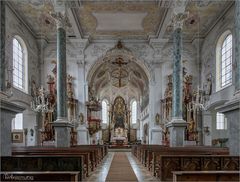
(119, 90)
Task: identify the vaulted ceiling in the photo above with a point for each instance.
(118, 71)
(134, 19)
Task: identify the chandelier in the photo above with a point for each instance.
(198, 102)
(40, 103)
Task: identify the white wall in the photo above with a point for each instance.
(14, 26)
(208, 58)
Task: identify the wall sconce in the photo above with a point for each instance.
(206, 130)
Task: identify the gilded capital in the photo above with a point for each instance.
(178, 19)
(61, 19)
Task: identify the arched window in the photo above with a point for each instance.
(224, 61)
(19, 64)
(104, 111)
(134, 111)
(17, 122)
(221, 121)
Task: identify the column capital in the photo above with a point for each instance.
(61, 19)
(178, 19)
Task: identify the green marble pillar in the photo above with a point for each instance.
(237, 45)
(177, 74)
(177, 125)
(61, 74)
(2, 45)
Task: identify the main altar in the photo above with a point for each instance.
(119, 127)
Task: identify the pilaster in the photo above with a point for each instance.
(237, 45)
(2, 45)
(8, 111)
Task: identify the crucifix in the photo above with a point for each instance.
(119, 61)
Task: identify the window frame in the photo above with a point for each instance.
(221, 121)
(219, 61)
(13, 126)
(136, 111)
(107, 108)
(24, 64)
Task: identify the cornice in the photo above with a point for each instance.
(219, 18)
(21, 19)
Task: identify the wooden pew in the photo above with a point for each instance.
(170, 163)
(92, 155)
(87, 165)
(153, 156)
(144, 153)
(71, 176)
(206, 176)
(140, 151)
(43, 163)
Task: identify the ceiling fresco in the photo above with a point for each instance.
(202, 15)
(36, 13)
(145, 15)
(105, 19)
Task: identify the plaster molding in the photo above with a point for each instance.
(19, 17)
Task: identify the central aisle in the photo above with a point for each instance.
(120, 169)
(123, 164)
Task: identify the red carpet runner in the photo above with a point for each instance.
(120, 169)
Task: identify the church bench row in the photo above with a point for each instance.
(148, 154)
(151, 156)
(43, 163)
(91, 160)
(87, 163)
(169, 163)
(103, 148)
(71, 176)
(92, 155)
(206, 176)
(100, 150)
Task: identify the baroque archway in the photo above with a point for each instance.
(119, 78)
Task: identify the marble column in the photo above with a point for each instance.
(62, 126)
(2, 45)
(237, 45)
(177, 74)
(177, 125)
(61, 74)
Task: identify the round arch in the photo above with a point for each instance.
(25, 59)
(101, 60)
(218, 60)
